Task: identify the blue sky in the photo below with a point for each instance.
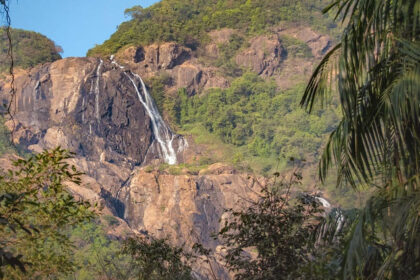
(75, 25)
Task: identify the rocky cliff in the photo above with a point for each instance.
(93, 107)
(270, 55)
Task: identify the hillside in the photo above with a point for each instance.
(188, 22)
(29, 49)
(234, 94)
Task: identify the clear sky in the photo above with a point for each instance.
(75, 25)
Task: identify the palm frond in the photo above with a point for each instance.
(375, 70)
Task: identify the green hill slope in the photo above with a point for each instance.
(188, 21)
(29, 49)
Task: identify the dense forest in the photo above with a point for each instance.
(188, 22)
(255, 115)
(29, 48)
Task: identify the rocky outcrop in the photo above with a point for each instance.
(91, 108)
(174, 60)
(94, 112)
(318, 43)
(185, 208)
(264, 55)
(156, 57)
(218, 37)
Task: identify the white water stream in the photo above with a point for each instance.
(98, 74)
(162, 132)
(339, 218)
(324, 202)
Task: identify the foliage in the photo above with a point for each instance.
(187, 22)
(272, 238)
(155, 259)
(225, 62)
(29, 49)
(100, 256)
(5, 143)
(35, 211)
(295, 47)
(97, 255)
(252, 113)
(376, 70)
(157, 89)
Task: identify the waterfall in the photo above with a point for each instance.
(83, 110)
(162, 132)
(98, 74)
(324, 202)
(338, 217)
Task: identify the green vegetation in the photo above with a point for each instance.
(279, 229)
(46, 234)
(376, 71)
(157, 90)
(35, 212)
(29, 49)
(5, 143)
(188, 21)
(155, 259)
(225, 62)
(277, 235)
(257, 119)
(295, 47)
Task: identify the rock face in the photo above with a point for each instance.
(185, 208)
(176, 61)
(91, 108)
(318, 43)
(87, 106)
(264, 55)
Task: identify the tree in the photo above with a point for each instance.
(273, 237)
(35, 211)
(155, 259)
(376, 71)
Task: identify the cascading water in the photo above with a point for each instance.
(98, 74)
(324, 202)
(338, 217)
(162, 132)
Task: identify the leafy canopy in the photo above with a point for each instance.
(156, 259)
(255, 115)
